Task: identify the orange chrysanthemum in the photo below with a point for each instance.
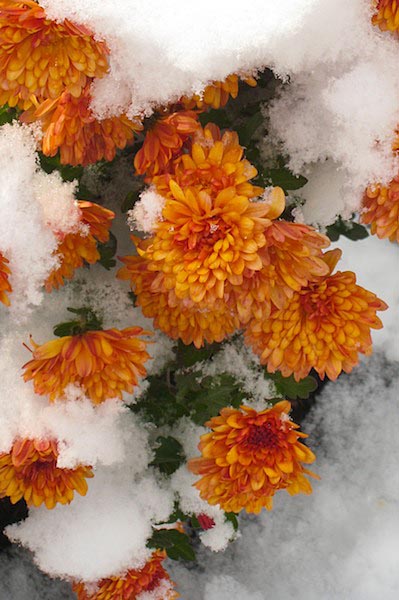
(81, 246)
(133, 583)
(69, 126)
(248, 456)
(4, 283)
(381, 210)
(205, 242)
(40, 58)
(387, 15)
(189, 321)
(323, 326)
(30, 471)
(214, 162)
(104, 363)
(163, 141)
(217, 94)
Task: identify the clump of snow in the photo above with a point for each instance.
(101, 534)
(146, 212)
(57, 199)
(240, 362)
(225, 587)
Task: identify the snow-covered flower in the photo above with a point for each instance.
(217, 93)
(30, 471)
(250, 455)
(323, 326)
(151, 578)
(40, 58)
(80, 246)
(104, 363)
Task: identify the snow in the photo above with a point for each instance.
(146, 212)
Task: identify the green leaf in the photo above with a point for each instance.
(284, 178)
(291, 389)
(107, 252)
(250, 127)
(176, 544)
(232, 517)
(219, 117)
(187, 356)
(169, 455)
(159, 404)
(130, 200)
(52, 163)
(351, 230)
(87, 321)
(7, 114)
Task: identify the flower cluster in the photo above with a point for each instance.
(386, 15)
(381, 210)
(80, 246)
(248, 456)
(131, 584)
(217, 94)
(30, 471)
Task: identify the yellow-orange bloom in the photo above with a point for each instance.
(213, 163)
(381, 210)
(133, 583)
(40, 58)
(81, 246)
(69, 126)
(189, 321)
(386, 15)
(250, 455)
(323, 326)
(104, 363)
(30, 471)
(217, 94)
(164, 141)
(205, 242)
(4, 283)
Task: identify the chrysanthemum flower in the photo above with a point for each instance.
(69, 126)
(4, 283)
(387, 15)
(204, 242)
(248, 456)
(163, 141)
(30, 471)
(381, 210)
(323, 326)
(217, 94)
(81, 246)
(213, 163)
(133, 583)
(104, 363)
(40, 58)
(192, 322)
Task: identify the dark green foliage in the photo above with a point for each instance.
(107, 252)
(291, 389)
(87, 321)
(7, 114)
(169, 455)
(53, 163)
(176, 544)
(283, 178)
(353, 231)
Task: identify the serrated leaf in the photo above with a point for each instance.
(219, 117)
(284, 178)
(130, 200)
(176, 544)
(169, 455)
(215, 393)
(87, 321)
(351, 230)
(187, 356)
(107, 252)
(291, 389)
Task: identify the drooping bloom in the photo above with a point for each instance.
(386, 15)
(78, 247)
(381, 210)
(323, 326)
(163, 142)
(214, 162)
(104, 363)
(40, 58)
(192, 322)
(217, 94)
(133, 583)
(4, 283)
(69, 126)
(30, 471)
(250, 455)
